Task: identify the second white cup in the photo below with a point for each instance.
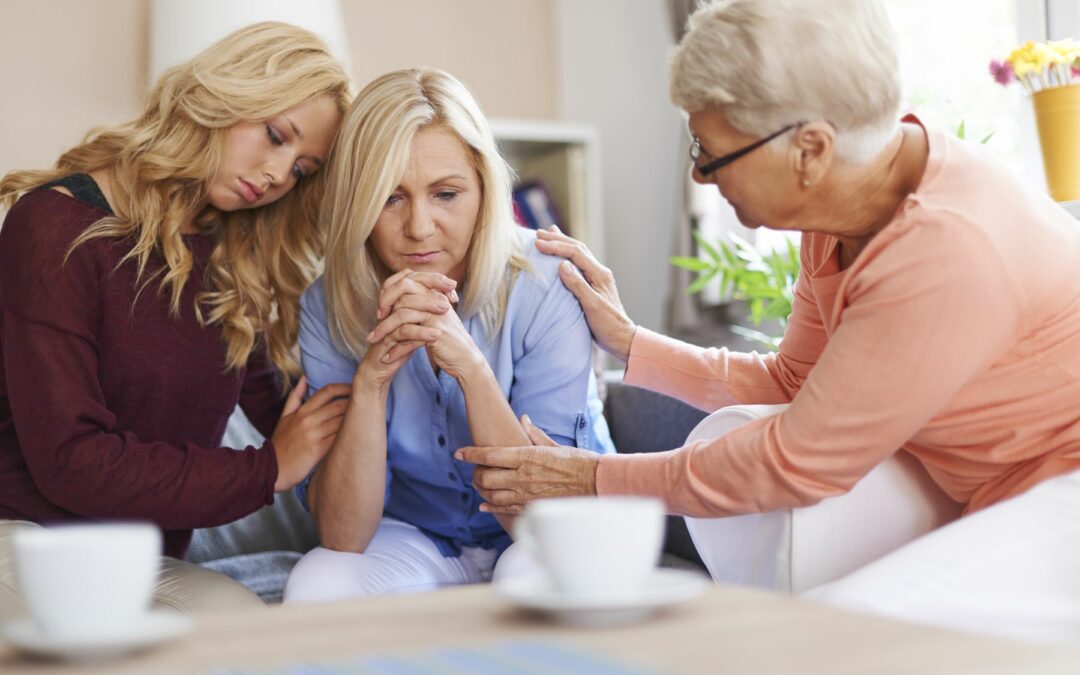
(594, 546)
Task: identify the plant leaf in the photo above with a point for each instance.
(702, 281)
(691, 263)
(706, 246)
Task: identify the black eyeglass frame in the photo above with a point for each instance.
(720, 162)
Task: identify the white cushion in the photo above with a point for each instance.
(796, 549)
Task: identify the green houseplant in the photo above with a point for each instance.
(765, 281)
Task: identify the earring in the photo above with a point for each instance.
(806, 182)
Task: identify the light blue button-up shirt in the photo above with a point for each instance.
(542, 360)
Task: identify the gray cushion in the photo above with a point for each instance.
(282, 526)
(644, 421)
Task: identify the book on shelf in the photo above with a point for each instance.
(534, 208)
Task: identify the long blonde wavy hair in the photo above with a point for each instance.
(159, 166)
(366, 166)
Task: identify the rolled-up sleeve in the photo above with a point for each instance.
(553, 378)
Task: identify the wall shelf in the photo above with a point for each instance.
(565, 157)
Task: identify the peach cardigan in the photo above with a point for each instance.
(954, 335)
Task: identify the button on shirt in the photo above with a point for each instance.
(542, 361)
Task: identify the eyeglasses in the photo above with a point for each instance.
(696, 151)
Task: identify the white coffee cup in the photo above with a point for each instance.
(88, 580)
(594, 546)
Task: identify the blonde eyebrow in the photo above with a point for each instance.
(296, 129)
(446, 178)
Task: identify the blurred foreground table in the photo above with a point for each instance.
(725, 630)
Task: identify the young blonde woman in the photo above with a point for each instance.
(149, 282)
(449, 325)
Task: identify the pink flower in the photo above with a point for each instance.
(1002, 72)
(1074, 71)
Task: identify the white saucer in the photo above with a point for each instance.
(156, 627)
(662, 588)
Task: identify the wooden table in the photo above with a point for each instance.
(726, 630)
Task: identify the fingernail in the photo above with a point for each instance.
(458, 455)
(378, 314)
(526, 419)
(564, 266)
(434, 334)
(484, 508)
(386, 357)
(453, 296)
(370, 336)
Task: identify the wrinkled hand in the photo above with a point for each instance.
(305, 431)
(509, 478)
(596, 291)
(450, 346)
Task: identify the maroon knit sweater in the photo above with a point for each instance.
(109, 407)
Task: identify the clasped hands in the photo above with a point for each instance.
(415, 309)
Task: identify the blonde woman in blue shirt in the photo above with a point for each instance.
(449, 325)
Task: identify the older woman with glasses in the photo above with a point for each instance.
(937, 310)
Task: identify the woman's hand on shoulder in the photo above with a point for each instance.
(594, 286)
(306, 430)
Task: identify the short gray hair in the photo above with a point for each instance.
(769, 63)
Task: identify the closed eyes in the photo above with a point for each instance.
(277, 140)
(444, 196)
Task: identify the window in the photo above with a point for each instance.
(946, 47)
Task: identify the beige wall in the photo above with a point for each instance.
(68, 66)
(503, 50)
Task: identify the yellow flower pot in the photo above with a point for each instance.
(1057, 113)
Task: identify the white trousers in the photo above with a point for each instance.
(399, 559)
(1012, 569)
